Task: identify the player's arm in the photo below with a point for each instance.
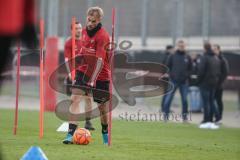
(68, 67)
(67, 55)
(98, 68)
(101, 55)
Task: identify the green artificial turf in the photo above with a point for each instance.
(130, 140)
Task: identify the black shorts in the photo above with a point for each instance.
(100, 92)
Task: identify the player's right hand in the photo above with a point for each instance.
(70, 76)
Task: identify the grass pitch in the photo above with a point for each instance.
(131, 140)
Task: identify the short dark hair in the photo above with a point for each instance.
(169, 47)
(207, 46)
(75, 24)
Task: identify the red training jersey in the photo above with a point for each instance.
(68, 50)
(96, 45)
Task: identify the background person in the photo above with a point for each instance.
(209, 74)
(223, 77)
(179, 65)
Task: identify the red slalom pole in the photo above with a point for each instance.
(73, 47)
(41, 114)
(111, 83)
(17, 88)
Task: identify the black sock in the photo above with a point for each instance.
(72, 128)
(104, 128)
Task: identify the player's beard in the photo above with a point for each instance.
(90, 28)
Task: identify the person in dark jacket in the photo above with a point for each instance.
(169, 51)
(209, 74)
(194, 91)
(223, 77)
(179, 69)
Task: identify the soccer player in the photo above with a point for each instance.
(68, 57)
(94, 39)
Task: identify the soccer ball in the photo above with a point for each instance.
(81, 136)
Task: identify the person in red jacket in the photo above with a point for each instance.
(68, 56)
(94, 40)
(17, 22)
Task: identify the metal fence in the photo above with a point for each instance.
(148, 20)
